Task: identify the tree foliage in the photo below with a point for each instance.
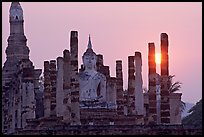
(195, 116)
(176, 86)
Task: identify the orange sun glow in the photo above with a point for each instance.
(158, 58)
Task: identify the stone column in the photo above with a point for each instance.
(139, 97)
(119, 86)
(131, 86)
(47, 89)
(59, 90)
(38, 94)
(105, 70)
(75, 111)
(99, 62)
(152, 117)
(165, 84)
(28, 104)
(67, 86)
(53, 77)
(111, 92)
(175, 108)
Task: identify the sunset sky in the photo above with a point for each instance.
(117, 31)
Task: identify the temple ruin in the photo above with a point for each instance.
(84, 100)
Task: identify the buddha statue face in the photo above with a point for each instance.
(89, 61)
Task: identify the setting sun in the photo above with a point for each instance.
(158, 58)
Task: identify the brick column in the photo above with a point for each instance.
(99, 62)
(131, 86)
(105, 70)
(111, 92)
(53, 78)
(75, 111)
(175, 108)
(47, 89)
(59, 90)
(67, 86)
(152, 117)
(119, 88)
(139, 97)
(165, 84)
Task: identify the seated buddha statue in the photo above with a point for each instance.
(92, 84)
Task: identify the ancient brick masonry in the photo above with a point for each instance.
(50, 88)
(63, 95)
(119, 85)
(111, 91)
(121, 112)
(47, 89)
(99, 63)
(19, 78)
(139, 97)
(175, 108)
(59, 88)
(100, 66)
(165, 84)
(152, 83)
(67, 86)
(131, 85)
(15, 51)
(53, 87)
(75, 110)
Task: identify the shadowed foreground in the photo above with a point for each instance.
(114, 130)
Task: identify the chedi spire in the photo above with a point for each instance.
(89, 43)
(89, 50)
(15, 12)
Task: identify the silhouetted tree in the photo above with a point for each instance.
(176, 87)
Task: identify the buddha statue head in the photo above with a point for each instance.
(89, 57)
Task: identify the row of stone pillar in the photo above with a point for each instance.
(164, 82)
(135, 91)
(61, 85)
